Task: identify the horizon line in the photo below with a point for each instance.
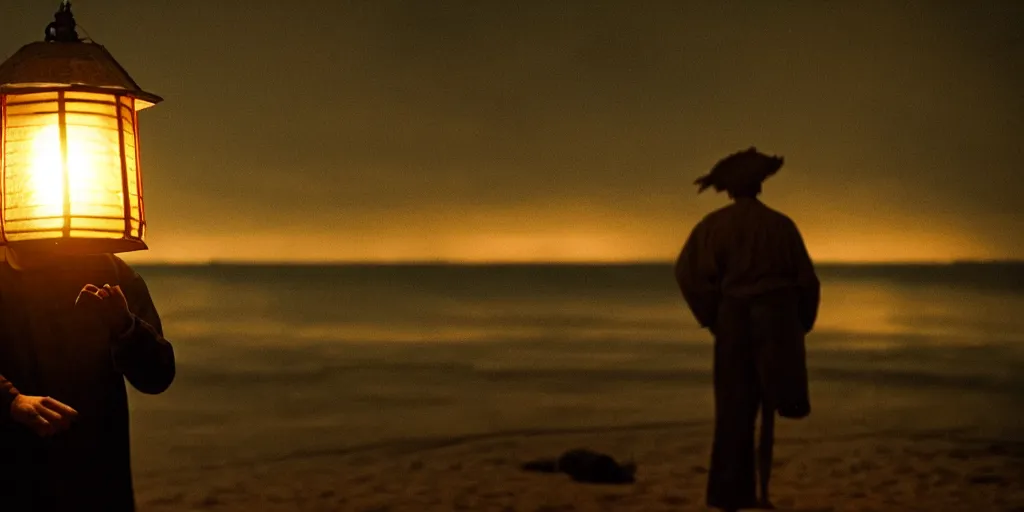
(474, 263)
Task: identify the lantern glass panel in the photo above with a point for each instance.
(33, 171)
(42, 156)
(85, 233)
(94, 165)
(88, 96)
(131, 165)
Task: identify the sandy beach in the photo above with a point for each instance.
(881, 471)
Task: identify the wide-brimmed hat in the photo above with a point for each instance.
(740, 170)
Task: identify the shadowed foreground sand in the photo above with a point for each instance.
(938, 471)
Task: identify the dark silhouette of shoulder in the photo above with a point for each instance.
(736, 208)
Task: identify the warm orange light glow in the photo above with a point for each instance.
(69, 168)
(544, 234)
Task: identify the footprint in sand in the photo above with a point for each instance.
(1005, 449)
(988, 479)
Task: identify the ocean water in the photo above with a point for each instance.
(277, 362)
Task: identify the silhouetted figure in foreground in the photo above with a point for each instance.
(66, 346)
(586, 466)
(746, 275)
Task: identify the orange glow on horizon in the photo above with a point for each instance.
(592, 247)
(563, 231)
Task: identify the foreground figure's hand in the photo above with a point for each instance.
(44, 415)
(109, 302)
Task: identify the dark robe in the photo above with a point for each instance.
(50, 348)
(746, 275)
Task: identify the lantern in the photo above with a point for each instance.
(69, 147)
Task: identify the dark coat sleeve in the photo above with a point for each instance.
(697, 276)
(7, 394)
(807, 282)
(142, 354)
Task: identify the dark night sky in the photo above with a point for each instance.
(564, 130)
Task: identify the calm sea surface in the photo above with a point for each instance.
(277, 361)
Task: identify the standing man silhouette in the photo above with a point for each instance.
(72, 330)
(747, 277)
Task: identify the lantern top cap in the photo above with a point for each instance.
(62, 29)
(63, 61)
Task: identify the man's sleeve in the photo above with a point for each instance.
(697, 276)
(142, 354)
(7, 395)
(807, 282)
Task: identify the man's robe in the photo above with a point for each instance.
(48, 347)
(746, 275)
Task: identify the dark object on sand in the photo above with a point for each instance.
(586, 466)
